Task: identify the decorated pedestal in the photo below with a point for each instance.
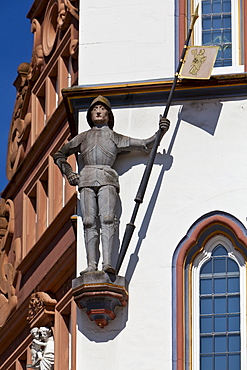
(100, 294)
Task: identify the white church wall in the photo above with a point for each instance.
(203, 171)
(125, 41)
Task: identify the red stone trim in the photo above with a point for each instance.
(182, 19)
(48, 235)
(61, 49)
(101, 322)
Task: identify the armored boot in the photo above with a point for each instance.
(107, 237)
(92, 250)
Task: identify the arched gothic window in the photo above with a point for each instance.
(219, 309)
(209, 296)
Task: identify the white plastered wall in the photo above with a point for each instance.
(125, 40)
(207, 154)
(204, 171)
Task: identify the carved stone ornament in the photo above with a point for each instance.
(96, 292)
(71, 9)
(65, 13)
(50, 26)
(41, 309)
(37, 61)
(10, 257)
(42, 349)
(73, 49)
(20, 125)
(64, 17)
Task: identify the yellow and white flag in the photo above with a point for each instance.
(198, 62)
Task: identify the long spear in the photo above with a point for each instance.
(144, 181)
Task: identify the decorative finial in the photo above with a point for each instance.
(194, 18)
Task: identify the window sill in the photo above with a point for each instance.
(227, 70)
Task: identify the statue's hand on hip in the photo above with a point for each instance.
(73, 178)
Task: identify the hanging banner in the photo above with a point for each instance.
(198, 62)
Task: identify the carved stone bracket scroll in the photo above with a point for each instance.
(41, 309)
(96, 292)
(50, 27)
(37, 61)
(20, 125)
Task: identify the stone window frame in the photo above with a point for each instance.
(237, 28)
(184, 279)
(183, 10)
(200, 259)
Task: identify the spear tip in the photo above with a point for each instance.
(195, 16)
(196, 11)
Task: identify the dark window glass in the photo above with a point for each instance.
(219, 265)
(206, 286)
(219, 251)
(217, 29)
(207, 267)
(219, 312)
(220, 285)
(233, 323)
(220, 323)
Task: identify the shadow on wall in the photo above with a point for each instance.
(123, 164)
(202, 115)
(94, 333)
(167, 160)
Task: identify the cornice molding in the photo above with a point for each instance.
(153, 86)
(154, 92)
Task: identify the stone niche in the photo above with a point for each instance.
(100, 293)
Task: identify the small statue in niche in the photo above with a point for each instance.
(98, 181)
(37, 348)
(42, 349)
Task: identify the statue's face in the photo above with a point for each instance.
(35, 333)
(44, 333)
(99, 114)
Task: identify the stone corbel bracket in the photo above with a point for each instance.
(96, 292)
(41, 310)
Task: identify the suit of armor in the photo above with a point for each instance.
(98, 183)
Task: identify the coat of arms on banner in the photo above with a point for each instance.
(198, 62)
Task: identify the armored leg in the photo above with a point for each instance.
(107, 208)
(89, 208)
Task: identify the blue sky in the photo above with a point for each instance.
(16, 43)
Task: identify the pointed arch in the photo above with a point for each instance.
(192, 249)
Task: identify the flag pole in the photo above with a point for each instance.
(145, 178)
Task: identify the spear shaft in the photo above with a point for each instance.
(146, 175)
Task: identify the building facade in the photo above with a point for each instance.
(185, 267)
(38, 237)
